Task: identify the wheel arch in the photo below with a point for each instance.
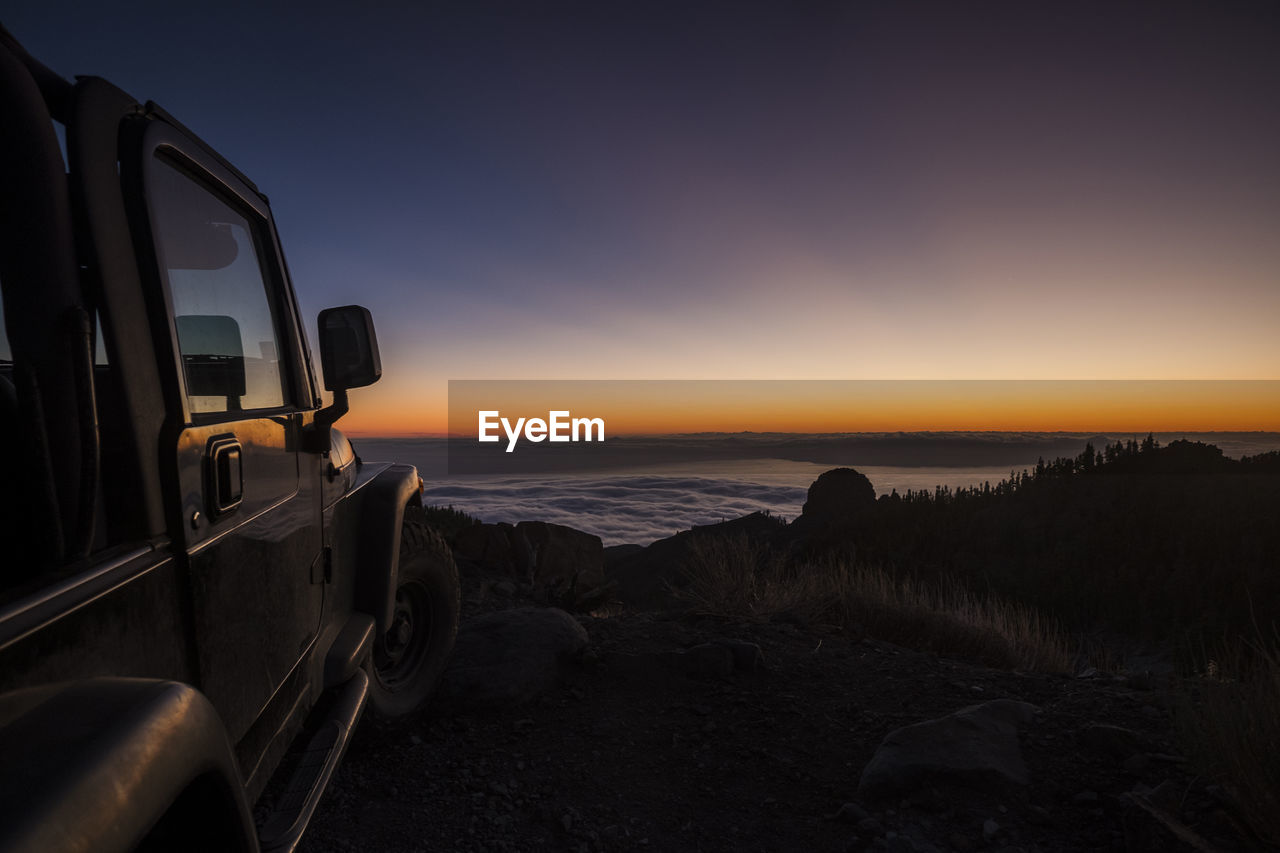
(381, 519)
(97, 765)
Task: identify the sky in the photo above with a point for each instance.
(665, 407)
(803, 191)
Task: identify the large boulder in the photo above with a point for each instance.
(556, 551)
(510, 656)
(840, 504)
(837, 495)
(975, 748)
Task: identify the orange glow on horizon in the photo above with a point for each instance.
(660, 408)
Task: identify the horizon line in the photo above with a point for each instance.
(1102, 433)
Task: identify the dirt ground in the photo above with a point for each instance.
(626, 758)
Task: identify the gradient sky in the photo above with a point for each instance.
(741, 191)
(649, 407)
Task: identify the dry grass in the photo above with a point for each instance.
(728, 577)
(1230, 725)
(1229, 719)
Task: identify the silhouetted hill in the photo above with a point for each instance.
(1159, 540)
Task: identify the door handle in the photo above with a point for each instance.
(224, 474)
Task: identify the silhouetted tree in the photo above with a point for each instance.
(1163, 540)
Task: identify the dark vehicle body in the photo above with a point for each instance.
(199, 576)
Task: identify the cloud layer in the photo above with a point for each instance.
(639, 504)
(618, 509)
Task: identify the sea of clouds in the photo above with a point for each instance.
(640, 504)
(621, 508)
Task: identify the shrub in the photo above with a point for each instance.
(726, 576)
(448, 521)
(1229, 723)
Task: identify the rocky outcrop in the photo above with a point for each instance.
(837, 495)
(648, 577)
(976, 747)
(532, 551)
(535, 552)
(508, 657)
(557, 551)
(839, 504)
(493, 547)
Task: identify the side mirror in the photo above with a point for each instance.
(348, 348)
(349, 359)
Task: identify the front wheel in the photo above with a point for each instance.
(408, 659)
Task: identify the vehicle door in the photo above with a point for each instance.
(251, 523)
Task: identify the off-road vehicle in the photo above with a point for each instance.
(201, 584)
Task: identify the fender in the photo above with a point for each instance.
(94, 765)
(381, 516)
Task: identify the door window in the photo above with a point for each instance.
(224, 313)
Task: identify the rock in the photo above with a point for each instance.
(974, 747)
(931, 799)
(651, 576)
(837, 495)
(839, 502)
(1085, 797)
(510, 656)
(579, 599)
(1115, 741)
(506, 589)
(990, 829)
(494, 547)
(557, 551)
(554, 556)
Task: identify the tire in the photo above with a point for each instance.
(408, 659)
